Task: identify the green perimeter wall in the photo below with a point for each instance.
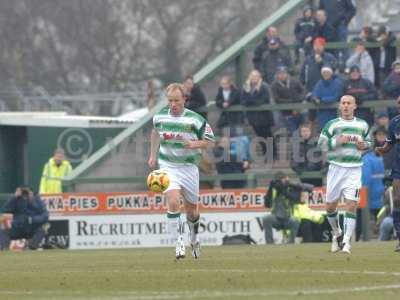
(25, 150)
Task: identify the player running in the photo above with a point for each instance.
(344, 139)
(393, 140)
(179, 135)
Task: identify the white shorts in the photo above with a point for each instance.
(184, 178)
(343, 182)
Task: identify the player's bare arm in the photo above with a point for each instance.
(200, 144)
(154, 146)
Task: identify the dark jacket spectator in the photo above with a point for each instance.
(362, 90)
(195, 98)
(286, 89)
(29, 215)
(227, 96)
(367, 36)
(255, 93)
(388, 51)
(305, 31)
(275, 57)
(328, 90)
(363, 60)
(305, 157)
(338, 11)
(391, 85)
(324, 29)
(311, 70)
(380, 135)
(262, 47)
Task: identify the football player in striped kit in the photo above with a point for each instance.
(177, 141)
(344, 139)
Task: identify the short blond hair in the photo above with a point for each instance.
(176, 87)
(348, 97)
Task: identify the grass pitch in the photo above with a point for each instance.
(305, 271)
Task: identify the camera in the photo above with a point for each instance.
(25, 192)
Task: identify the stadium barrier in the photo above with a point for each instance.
(137, 219)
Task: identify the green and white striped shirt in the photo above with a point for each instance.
(174, 131)
(346, 154)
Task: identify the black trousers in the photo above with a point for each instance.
(34, 233)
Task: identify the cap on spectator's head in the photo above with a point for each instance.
(326, 69)
(307, 7)
(382, 115)
(396, 62)
(354, 68)
(273, 41)
(280, 69)
(320, 41)
(380, 129)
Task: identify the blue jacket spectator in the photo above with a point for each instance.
(29, 215)
(311, 70)
(391, 85)
(373, 172)
(328, 90)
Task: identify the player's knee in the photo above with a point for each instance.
(351, 205)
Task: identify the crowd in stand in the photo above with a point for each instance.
(319, 74)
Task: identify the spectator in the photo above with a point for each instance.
(363, 60)
(388, 51)
(195, 99)
(262, 48)
(53, 172)
(373, 172)
(382, 120)
(328, 90)
(286, 89)
(29, 215)
(380, 136)
(227, 96)
(311, 69)
(233, 150)
(391, 85)
(275, 56)
(255, 93)
(306, 156)
(362, 90)
(394, 111)
(367, 36)
(385, 219)
(305, 31)
(280, 198)
(339, 14)
(324, 29)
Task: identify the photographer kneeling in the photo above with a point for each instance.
(29, 217)
(282, 195)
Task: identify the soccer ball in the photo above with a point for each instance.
(158, 181)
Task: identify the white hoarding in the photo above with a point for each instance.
(127, 231)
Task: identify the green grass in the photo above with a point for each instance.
(372, 271)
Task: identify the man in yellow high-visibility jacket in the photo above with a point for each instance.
(53, 172)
